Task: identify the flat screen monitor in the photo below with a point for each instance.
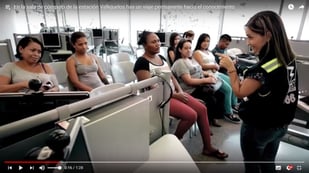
(161, 36)
(16, 106)
(97, 32)
(78, 150)
(51, 40)
(69, 29)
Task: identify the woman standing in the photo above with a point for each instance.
(269, 91)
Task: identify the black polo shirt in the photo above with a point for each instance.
(275, 102)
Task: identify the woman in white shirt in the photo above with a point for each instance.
(208, 63)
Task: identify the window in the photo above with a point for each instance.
(292, 15)
(235, 20)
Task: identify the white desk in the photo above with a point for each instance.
(168, 155)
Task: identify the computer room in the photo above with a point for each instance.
(126, 124)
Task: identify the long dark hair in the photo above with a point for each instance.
(172, 39)
(180, 46)
(24, 42)
(74, 37)
(268, 21)
(200, 40)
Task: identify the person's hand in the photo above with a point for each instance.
(235, 61)
(210, 80)
(47, 86)
(181, 96)
(226, 62)
(54, 89)
(216, 67)
(210, 74)
(25, 84)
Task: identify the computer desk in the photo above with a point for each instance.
(60, 55)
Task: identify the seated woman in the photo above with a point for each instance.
(192, 79)
(84, 72)
(182, 105)
(15, 76)
(174, 39)
(208, 63)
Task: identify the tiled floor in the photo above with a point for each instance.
(227, 139)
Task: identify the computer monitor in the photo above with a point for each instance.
(97, 32)
(16, 106)
(51, 40)
(69, 29)
(161, 36)
(77, 149)
(108, 127)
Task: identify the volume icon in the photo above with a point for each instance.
(42, 167)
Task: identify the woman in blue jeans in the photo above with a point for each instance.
(269, 91)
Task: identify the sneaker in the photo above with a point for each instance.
(235, 109)
(232, 118)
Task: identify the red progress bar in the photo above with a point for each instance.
(11, 162)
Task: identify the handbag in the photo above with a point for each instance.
(212, 88)
(209, 88)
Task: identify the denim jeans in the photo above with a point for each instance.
(259, 147)
(229, 97)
